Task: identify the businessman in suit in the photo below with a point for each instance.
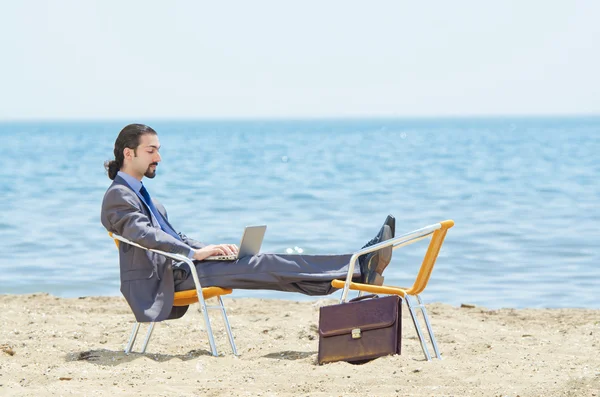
(149, 280)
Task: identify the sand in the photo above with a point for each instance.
(55, 346)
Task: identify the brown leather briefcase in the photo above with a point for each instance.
(360, 330)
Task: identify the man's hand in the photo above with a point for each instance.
(215, 250)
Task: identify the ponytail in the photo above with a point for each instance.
(112, 167)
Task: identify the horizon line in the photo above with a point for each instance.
(306, 118)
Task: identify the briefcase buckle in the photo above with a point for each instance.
(356, 333)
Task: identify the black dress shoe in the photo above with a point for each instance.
(374, 263)
(391, 222)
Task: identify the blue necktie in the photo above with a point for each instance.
(162, 222)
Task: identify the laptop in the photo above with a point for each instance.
(250, 244)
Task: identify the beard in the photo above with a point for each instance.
(150, 172)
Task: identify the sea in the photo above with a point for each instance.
(524, 194)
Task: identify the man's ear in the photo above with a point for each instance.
(128, 153)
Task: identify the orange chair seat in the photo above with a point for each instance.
(188, 297)
(374, 289)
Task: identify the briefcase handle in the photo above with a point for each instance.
(360, 298)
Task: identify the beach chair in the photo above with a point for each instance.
(437, 232)
(184, 298)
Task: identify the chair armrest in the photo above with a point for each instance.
(177, 257)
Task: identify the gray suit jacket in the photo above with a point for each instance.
(146, 277)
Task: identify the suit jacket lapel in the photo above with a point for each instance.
(163, 212)
(120, 181)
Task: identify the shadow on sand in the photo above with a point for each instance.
(290, 355)
(114, 358)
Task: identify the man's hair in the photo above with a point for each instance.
(129, 137)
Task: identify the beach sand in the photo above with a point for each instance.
(57, 346)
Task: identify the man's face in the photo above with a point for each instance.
(145, 159)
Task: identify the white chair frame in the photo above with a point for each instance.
(203, 308)
(398, 242)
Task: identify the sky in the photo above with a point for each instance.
(304, 59)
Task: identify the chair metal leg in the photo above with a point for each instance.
(413, 314)
(227, 327)
(429, 329)
(148, 335)
(204, 310)
(134, 331)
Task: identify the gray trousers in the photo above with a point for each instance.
(306, 274)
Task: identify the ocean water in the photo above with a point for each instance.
(524, 194)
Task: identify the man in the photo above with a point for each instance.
(149, 280)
